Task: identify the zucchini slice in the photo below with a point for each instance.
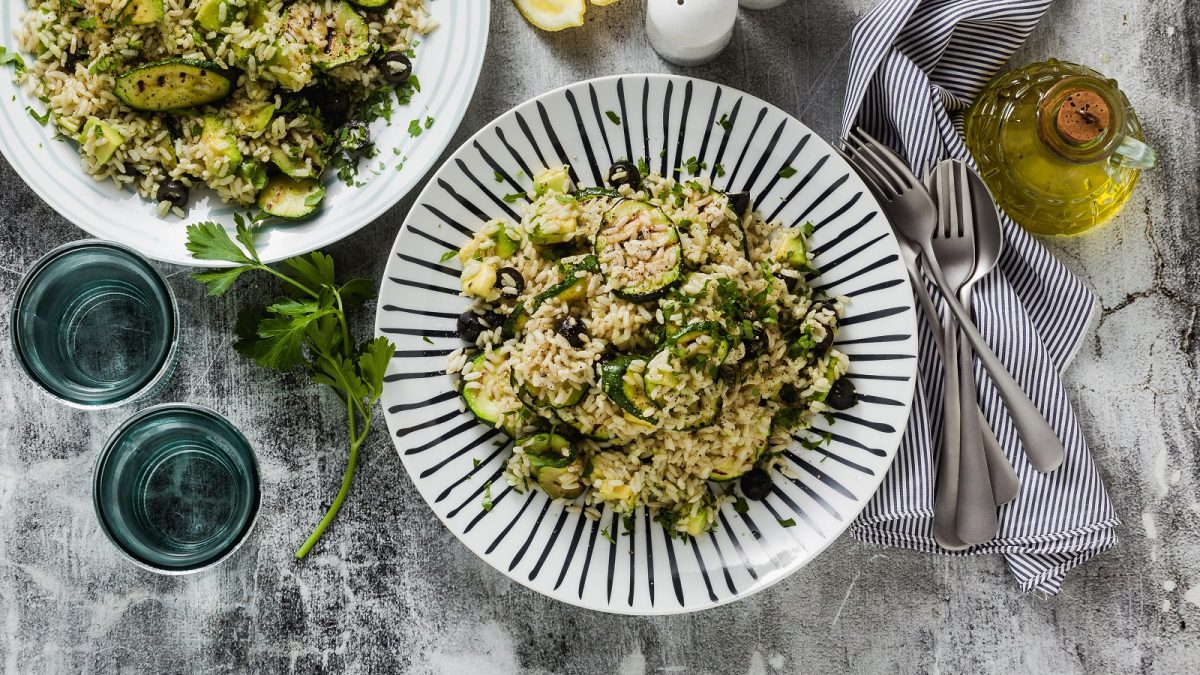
(627, 389)
(292, 199)
(173, 84)
(101, 130)
(219, 143)
(550, 457)
(534, 398)
(483, 401)
(340, 36)
(639, 251)
(141, 12)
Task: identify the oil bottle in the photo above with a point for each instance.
(1058, 145)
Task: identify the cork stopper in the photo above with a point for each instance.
(1083, 116)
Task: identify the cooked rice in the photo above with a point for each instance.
(667, 465)
(80, 51)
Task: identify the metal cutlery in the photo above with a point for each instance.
(913, 215)
(989, 242)
(973, 516)
(1005, 484)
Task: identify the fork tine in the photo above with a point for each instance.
(878, 155)
(966, 225)
(868, 161)
(946, 207)
(890, 158)
(867, 176)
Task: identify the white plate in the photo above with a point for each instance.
(448, 63)
(451, 457)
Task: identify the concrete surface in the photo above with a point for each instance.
(389, 589)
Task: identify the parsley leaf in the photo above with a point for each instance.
(790, 522)
(13, 57)
(487, 496)
(447, 255)
(307, 328)
(724, 122)
(787, 172)
(740, 505)
(613, 117)
(414, 128)
(607, 535)
(42, 119)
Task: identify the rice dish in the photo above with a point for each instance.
(253, 99)
(645, 344)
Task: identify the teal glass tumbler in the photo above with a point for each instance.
(176, 488)
(95, 324)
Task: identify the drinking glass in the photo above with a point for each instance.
(94, 324)
(176, 488)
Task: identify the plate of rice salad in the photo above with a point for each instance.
(655, 346)
(132, 118)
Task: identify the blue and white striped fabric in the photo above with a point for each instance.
(915, 67)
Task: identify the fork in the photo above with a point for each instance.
(1005, 484)
(913, 215)
(973, 516)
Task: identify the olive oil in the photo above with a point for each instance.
(1058, 145)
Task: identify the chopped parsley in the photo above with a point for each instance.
(694, 166)
(740, 505)
(13, 57)
(447, 255)
(513, 196)
(41, 119)
(88, 24)
(487, 496)
(498, 176)
(426, 340)
(719, 169)
(101, 65)
(643, 167)
(475, 462)
(787, 172)
(414, 128)
(428, 122)
(613, 117)
(790, 522)
(608, 535)
(724, 122)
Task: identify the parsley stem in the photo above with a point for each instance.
(351, 464)
(291, 281)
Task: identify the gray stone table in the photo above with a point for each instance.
(390, 589)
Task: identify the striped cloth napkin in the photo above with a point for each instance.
(915, 67)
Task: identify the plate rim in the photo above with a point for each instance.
(909, 318)
(375, 208)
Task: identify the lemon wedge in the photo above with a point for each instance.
(552, 14)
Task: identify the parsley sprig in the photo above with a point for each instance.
(307, 328)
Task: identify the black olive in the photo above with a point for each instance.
(173, 191)
(509, 281)
(354, 137)
(334, 105)
(625, 173)
(789, 394)
(756, 484)
(171, 124)
(739, 202)
(396, 67)
(826, 342)
(756, 343)
(471, 325)
(842, 395)
(572, 329)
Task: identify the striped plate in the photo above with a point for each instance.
(453, 459)
(448, 64)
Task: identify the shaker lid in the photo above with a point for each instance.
(1083, 116)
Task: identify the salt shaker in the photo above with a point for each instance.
(690, 32)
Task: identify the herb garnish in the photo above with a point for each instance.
(13, 57)
(608, 535)
(740, 505)
(724, 122)
(719, 169)
(307, 328)
(613, 117)
(447, 255)
(787, 172)
(487, 496)
(42, 119)
(790, 522)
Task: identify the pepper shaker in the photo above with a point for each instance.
(690, 32)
